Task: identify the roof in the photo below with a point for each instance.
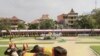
(14, 18)
(56, 30)
(72, 11)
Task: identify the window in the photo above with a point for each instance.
(70, 21)
(71, 17)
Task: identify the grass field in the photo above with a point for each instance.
(96, 49)
(2, 49)
(6, 43)
(88, 40)
(29, 40)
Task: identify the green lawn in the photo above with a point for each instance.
(41, 42)
(89, 37)
(19, 38)
(96, 49)
(2, 49)
(5, 41)
(88, 42)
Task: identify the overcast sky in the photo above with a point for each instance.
(29, 10)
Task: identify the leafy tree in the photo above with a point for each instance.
(33, 26)
(47, 24)
(89, 20)
(86, 21)
(1, 27)
(96, 15)
(21, 26)
(5, 25)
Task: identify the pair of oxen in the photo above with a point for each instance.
(12, 50)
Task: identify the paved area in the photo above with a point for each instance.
(77, 49)
(70, 45)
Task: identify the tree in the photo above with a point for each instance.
(86, 21)
(90, 21)
(1, 27)
(5, 25)
(47, 24)
(21, 26)
(33, 26)
(96, 15)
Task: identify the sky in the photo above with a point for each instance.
(28, 10)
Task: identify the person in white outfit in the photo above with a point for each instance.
(14, 53)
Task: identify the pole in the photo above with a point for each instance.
(95, 4)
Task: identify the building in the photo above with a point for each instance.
(44, 17)
(60, 19)
(12, 22)
(68, 20)
(15, 21)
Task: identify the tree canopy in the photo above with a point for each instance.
(89, 21)
(33, 26)
(47, 24)
(21, 26)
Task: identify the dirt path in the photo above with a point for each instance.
(78, 49)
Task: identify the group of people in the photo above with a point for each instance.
(12, 50)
